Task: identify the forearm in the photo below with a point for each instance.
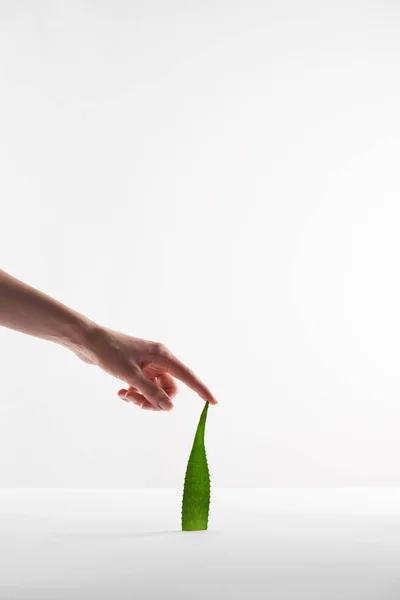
(30, 311)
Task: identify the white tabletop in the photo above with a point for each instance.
(262, 544)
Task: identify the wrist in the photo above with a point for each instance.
(80, 336)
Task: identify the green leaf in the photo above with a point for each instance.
(196, 489)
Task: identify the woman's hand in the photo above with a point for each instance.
(148, 368)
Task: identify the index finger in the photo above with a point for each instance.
(177, 369)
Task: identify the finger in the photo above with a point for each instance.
(186, 375)
(122, 393)
(153, 393)
(136, 398)
(168, 384)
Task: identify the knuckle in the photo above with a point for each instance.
(160, 349)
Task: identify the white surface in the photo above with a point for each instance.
(278, 544)
(220, 176)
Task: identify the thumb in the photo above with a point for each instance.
(152, 392)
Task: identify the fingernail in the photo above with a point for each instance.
(213, 401)
(165, 405)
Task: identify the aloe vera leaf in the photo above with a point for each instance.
(196, 489)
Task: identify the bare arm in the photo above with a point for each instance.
(147, 367)
(28, 310)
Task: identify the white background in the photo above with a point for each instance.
(222, 177)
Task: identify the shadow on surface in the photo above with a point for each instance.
(110, 536)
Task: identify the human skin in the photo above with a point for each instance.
(148, 368)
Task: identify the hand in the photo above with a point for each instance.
(149, 369)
